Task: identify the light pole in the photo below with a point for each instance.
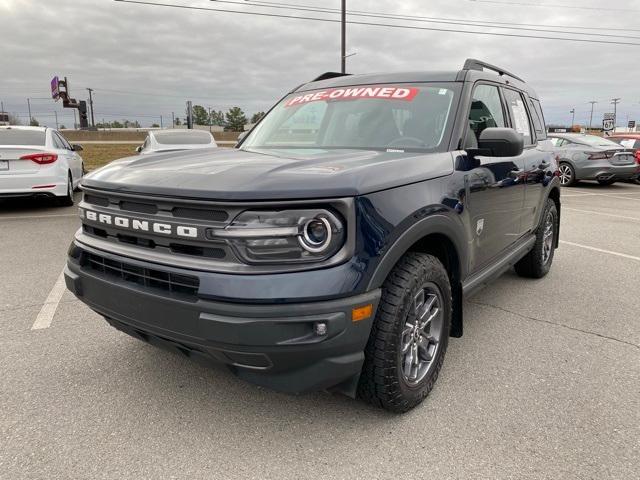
(93, 123)
(573, 116)
(29, 108)
(592, 102)
(343, 34)
(615, 102)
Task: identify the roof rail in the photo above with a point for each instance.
(328, 75)
(473, 64)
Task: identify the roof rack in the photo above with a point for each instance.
(473, 64)
(328, 75)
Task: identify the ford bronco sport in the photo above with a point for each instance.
(333, 247)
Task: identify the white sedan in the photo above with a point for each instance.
(171, 140)
(38, 162)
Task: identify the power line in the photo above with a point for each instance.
(554, 5)
(386, 25)
(413, 18)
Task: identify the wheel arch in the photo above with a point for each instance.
(442, 237)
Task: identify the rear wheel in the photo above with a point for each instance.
(567, 175)
(537, 262)
(409, 336)
(67, 200)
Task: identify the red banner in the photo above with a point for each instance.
(351, 93)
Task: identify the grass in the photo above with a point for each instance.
(96, 155)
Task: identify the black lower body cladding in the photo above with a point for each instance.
(289, 347)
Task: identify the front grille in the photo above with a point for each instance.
(199, 214)
(177, 284)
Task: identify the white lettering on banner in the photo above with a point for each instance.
(390, 93)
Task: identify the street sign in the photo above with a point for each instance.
(607, 125)
(632, 124)
(55, 89)
(608, 116)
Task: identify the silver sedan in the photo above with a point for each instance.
(175, 139)
(589, 157)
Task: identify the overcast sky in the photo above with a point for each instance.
(144, 61)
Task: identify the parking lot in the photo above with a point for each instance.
(545, 382)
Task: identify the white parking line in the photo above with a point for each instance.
(565, 195)
(48, 310)
(601, 213)
(600, 250)
(26, 217)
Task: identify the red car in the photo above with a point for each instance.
(629, 140)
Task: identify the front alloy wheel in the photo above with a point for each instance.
(421, 334)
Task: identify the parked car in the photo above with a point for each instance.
(589, 157)
(175, 139)
(38, 162)
(630, 141)
(333, 248)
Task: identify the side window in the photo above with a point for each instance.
(538, 119)
(486, 109)
(519, 116)
(57, 141)
(66, 144)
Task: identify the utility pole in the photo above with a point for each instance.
(56, 114)
(573, 116)
(173, 120)
(93, 123)
(209, 119)
(343, 31)
(29, 108)
(161, 121)
(615, 102)
(592, 102)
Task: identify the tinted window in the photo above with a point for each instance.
(519, 116)
(486, 109)
(374, 117)
(15, 136)
(192, 137)
(538, 119)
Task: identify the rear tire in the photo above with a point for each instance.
(537, 263)
(67, 200)
(567, 175)
(409, 336)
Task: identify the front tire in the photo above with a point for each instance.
(67, 200)
(537, 263)
(567, 175)
(409, 336)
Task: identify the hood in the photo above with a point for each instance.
(233, 174)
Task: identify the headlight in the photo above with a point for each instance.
(286, 236)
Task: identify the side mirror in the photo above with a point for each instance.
(138, 149)
(76, 147)
(501, 142)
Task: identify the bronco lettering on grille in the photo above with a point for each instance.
(141, 225)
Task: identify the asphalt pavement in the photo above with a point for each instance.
(545, 382)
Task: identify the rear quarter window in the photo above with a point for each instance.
(538, 119)
(15, 136)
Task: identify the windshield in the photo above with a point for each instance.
(17, 136)
(384, 117)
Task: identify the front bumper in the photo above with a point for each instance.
(272, 345)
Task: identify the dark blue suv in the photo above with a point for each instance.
(333, 247)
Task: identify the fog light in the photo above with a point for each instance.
(320, 328)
